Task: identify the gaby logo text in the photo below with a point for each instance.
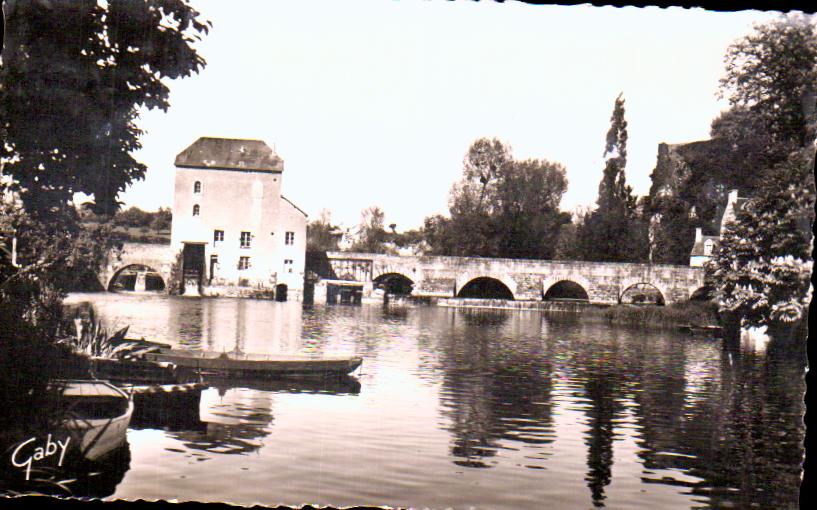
(25, 456)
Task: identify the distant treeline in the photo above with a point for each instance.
(135, 225)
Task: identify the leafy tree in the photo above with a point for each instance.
(500, 207)
(772, 74)
(133, 217)
(481, 170)
(321, 234)
(162, 220)
(762, 269)
(73, 77)
(371, 236)
(769, 81)
(527, 212)
(613, 231)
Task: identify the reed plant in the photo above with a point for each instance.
(685, 313)
(88, 336)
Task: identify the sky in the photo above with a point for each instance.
(375, 102)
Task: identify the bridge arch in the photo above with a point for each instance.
(702, 293)
(136, 276)
(573, 276)
(565, 289)
(642, 293)
(486, 287)
(395, 283)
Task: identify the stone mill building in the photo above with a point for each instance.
(237, 234)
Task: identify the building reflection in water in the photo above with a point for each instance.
(235, 416)
(250, 326)
(235, 421)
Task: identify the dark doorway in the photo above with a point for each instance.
(213, 265)
(193, 264)
(344, 294)
(566, 290)
(281, 292)
(485, 288)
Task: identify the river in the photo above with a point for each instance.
(467, 408)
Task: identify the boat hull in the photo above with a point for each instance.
(248, 365)
(98, 438)
(98, 417)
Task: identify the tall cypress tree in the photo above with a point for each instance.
(613, 232)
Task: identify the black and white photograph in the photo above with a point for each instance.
(405, 254)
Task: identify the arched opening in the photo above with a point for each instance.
(281, 292)
(395, 284)
(136, 278)
(705, 293)
(485, 288)
(566, 290)
(642, 294)
(196, 210)
(197, 187)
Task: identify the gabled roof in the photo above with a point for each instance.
(698, 247)
(230, 154)
(295, 206)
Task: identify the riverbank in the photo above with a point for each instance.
(692, 314)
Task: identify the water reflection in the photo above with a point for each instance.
(496, 385)
(502, 409)
(236, 420)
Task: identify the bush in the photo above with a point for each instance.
(685, 313)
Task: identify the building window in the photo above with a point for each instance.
(290, 238)
(218, 236)
(708, 245)
(288, 265)
(246, 238)
(196, 210)
(197, 187)
(243, 263)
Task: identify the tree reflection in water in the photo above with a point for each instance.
(722, 425)
(496, 386)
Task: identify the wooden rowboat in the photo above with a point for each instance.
(97, 416)
(236, 364)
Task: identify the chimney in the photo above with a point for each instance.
(733, 197)
(698, 235)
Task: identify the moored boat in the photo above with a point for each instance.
(236, 364)
(97, 415)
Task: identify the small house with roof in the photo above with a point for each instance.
(237, 234)
(705, 245)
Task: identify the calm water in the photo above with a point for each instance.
(459, 408)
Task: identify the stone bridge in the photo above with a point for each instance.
(157, 258)
(445, 277)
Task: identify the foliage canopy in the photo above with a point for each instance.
(73, 78)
